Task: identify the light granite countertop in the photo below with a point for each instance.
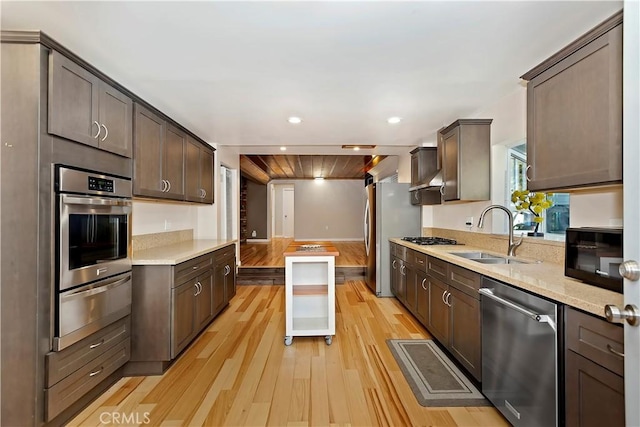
(545, 279)
(177, 252)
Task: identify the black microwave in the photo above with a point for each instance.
(593, 255)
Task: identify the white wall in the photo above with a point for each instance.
(598, 208)
(588, 208)
(156, 217)
(324, 210)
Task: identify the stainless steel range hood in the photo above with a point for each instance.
(433, 183)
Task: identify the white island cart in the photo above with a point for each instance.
(310, 291)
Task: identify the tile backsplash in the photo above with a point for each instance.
(532, 247)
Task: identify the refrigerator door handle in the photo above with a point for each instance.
(367, 244)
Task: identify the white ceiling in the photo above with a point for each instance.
(233, 72)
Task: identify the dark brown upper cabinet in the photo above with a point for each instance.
(198, 172)
(85, 109)
(466, 160)
(158, 169)
(424, 168)
(574, 113)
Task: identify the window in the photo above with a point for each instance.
(556, 218)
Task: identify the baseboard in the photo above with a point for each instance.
(258, 240)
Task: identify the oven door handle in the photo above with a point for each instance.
(76, 200)
(94, 288)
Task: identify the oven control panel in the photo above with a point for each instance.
(100, 184)
(84, 182)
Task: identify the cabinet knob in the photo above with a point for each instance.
(630, 270)
(630, 313)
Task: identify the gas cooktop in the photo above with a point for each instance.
(430, 241)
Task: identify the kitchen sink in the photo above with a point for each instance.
(499, 261)
(474, 255)
(486, 258)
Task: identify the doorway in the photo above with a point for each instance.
(287, 212)
(228, 201)
(282, 210)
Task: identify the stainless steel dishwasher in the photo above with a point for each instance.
(519, 354)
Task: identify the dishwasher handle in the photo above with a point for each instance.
(542, 318)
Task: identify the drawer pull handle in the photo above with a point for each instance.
(94, 373)
(98, 344)
(611, 350)
(423, 281)
(195, 268)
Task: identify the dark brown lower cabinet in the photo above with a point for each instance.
(594, 395)
(594, 369)
(465, 336)
(182, 328)
(422, 297)
(439, 316)
(172, 304)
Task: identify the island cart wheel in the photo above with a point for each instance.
(328, 339)
(288, 340)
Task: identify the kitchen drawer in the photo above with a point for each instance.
(189, 269)
(595, 339)
(69, 390)
(224, 253)
(402, 252)
(437, 268)
(465, 280)
(419, 260)
(60, 364)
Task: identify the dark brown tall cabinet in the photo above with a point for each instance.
(85, 109)
(594, 371)
(574, 113)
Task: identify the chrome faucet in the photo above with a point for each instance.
(512, 245)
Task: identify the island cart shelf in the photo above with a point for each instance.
(310, 291)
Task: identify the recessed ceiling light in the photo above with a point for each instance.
(295, 120)
(394, 120)
(283, 148)
(356, 148)
(318, 178)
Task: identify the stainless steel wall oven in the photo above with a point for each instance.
(93, 257)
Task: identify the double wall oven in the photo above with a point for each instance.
(93, 256)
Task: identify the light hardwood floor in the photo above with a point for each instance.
(240, 373)
(269, 254)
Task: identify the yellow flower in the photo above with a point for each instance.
(538, 219)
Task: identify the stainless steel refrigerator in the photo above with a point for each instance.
(388, 213)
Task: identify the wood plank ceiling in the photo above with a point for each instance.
(264, 168)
